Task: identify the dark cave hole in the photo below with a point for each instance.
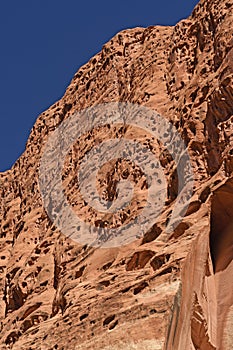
(221, 232)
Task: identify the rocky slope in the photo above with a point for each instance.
(162, 291)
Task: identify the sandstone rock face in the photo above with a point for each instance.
(161, 291)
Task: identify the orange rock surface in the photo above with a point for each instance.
(162, 291)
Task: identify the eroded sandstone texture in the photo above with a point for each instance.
(162, 291)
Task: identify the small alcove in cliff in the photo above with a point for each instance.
(221, 233)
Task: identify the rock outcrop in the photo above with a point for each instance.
(162, 291)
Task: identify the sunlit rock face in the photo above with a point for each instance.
(164, 290)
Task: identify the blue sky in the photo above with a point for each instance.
(44, 42)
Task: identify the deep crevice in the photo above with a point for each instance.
(221, 232)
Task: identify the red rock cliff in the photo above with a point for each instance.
(162, 291)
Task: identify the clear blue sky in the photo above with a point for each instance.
(44, 42)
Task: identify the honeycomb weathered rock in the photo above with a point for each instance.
(162, 291)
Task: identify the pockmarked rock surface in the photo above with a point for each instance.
(164, 290)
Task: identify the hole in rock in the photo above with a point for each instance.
(106, 266)
(82, 317)
(79, 273)
(180, 230)
(152, 234)
(205, 194)
(108, 320)
(105, 283)
(221, 231)
(140, 287)
(193, 207)
(159, 261)
(139, 260)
